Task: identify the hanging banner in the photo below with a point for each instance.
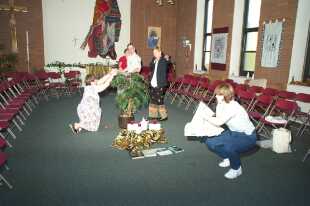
(219, 48)
(271, 44)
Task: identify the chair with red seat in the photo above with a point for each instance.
(286, 95)
(11, 101)
(260, 108)
(173, 86)
(256, 89)
(4, 142)
(183, 86)
(3, 165)
(279, 116)
(210, 97)
(198, 96)
(189, 91)
(73, 81)
(270, 91)
(146, 72)
(303, 116)
(56, 84)
(246, 98)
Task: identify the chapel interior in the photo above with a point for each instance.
(256, 46)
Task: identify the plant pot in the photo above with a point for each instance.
(124, 119)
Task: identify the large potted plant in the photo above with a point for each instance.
(132, 94)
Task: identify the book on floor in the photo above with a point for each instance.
(157, 152)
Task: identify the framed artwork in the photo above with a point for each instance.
(271, 44)
(153, 36)
(219, 48)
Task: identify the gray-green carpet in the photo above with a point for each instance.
(50, 166)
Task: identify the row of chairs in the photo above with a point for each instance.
(17, 100)
(258, 101)
(20, 93)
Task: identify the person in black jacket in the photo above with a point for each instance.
(158, 86)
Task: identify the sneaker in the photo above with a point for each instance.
(232, 174)
(75, 131)
(224, 163)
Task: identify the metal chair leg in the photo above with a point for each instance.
(5, 181)
(306, 155)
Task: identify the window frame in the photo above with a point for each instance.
(245, 31)
(205, 36)
(306, 70)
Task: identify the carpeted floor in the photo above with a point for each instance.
(52, 167)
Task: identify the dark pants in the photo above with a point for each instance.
(230, 144)
(157, 105)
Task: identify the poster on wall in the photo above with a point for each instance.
(153, 36)
(271, 44)
(219, 48)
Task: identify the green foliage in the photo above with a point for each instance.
(132, 92)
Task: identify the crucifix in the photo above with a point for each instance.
(12, 8)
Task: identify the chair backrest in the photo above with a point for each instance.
(302, 97)
(42, 75)
(54, 75)
(270, 91)
(286, 106)
(256, 89)
(214, 84)
(230, 81)
(246, 98)
(286, 95)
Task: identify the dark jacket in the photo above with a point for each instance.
(162, 70)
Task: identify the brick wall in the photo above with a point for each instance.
(175, 21)
(31, 21)
(146, 13)
(272, 10)
(186, 25)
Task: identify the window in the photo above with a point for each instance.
(249, 37)
(307, 60)
(207, 34)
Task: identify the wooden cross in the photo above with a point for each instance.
(11, 7)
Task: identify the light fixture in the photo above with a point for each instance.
(160, 2)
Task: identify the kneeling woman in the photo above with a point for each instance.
(89, 110)
(240, 135)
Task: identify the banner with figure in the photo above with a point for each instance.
(104, 31)
(271, 44)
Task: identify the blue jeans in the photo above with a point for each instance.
(230, 144)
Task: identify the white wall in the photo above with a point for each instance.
(236, 39)
(65, 20)
(300, 40)
(199, 34)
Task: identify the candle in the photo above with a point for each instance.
(27, 50)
